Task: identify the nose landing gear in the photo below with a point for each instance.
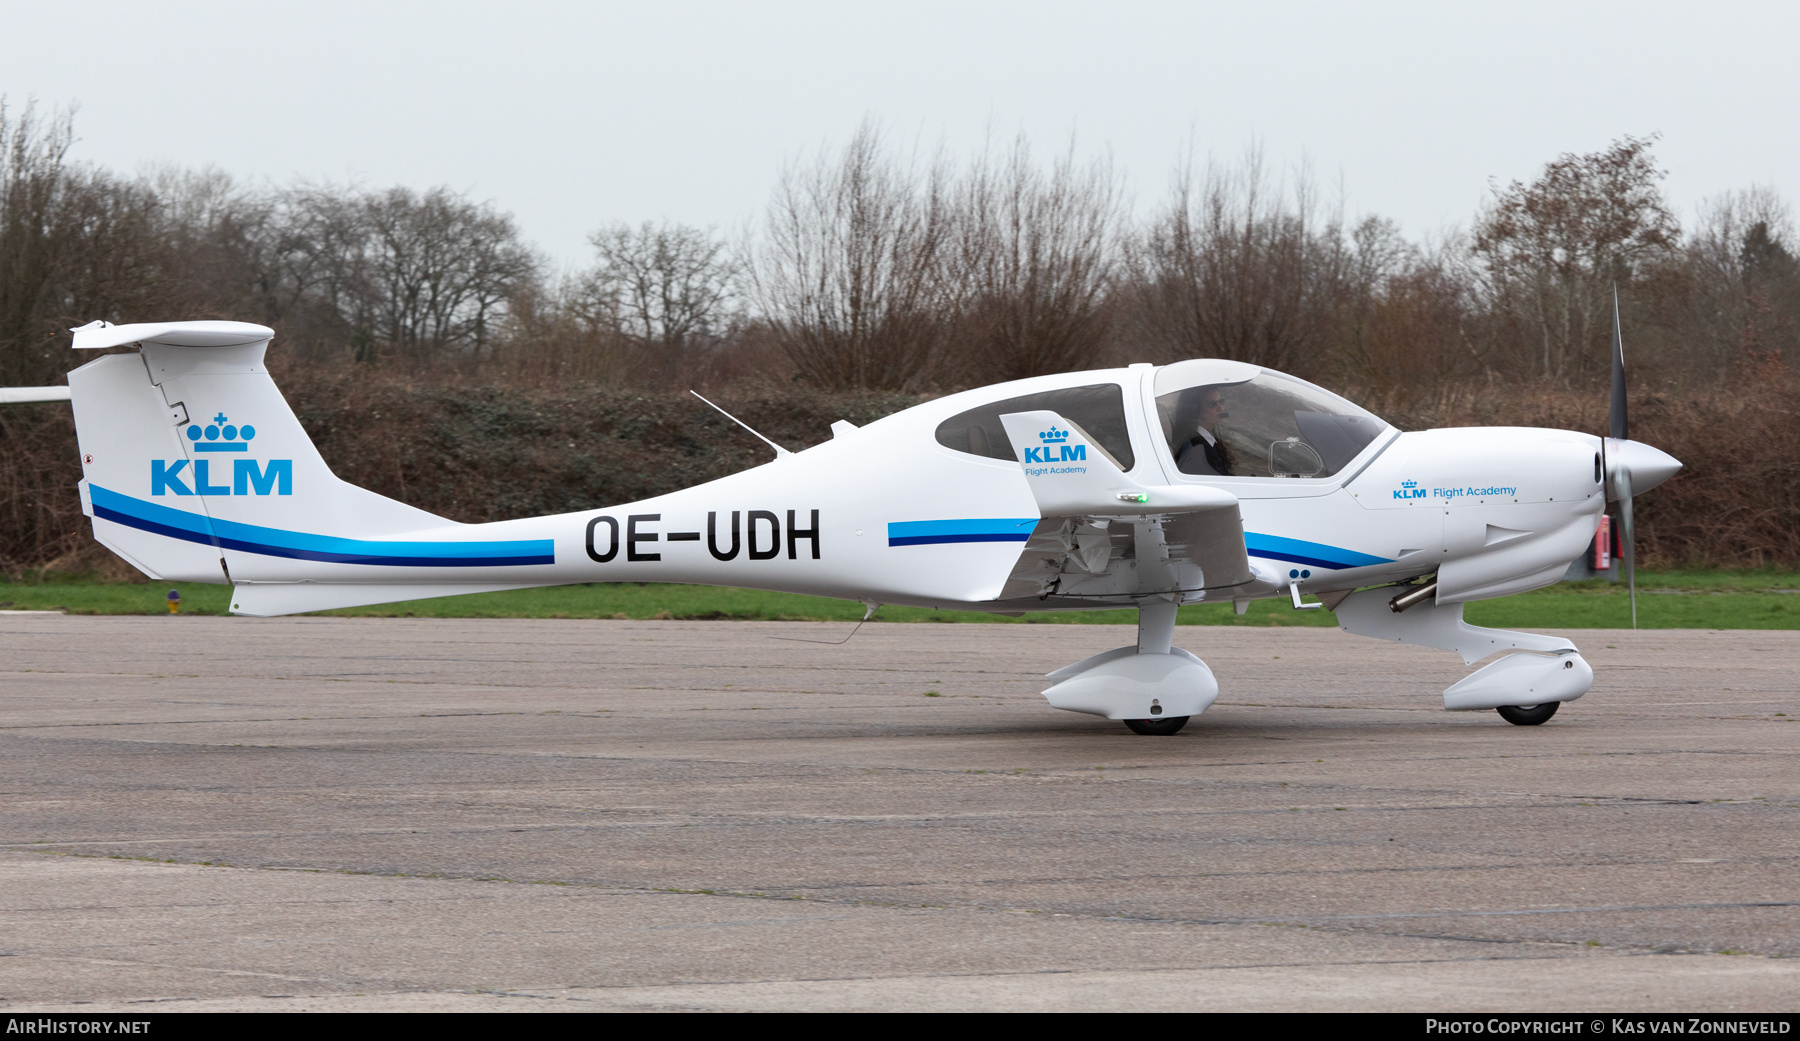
(1527, 715)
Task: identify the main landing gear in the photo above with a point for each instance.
(1157, 727)
(1527, 715)
(1153, 687)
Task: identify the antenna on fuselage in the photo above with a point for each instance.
(870, 613)
(779, 451)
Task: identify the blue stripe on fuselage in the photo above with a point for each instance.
(967, 529)
(274, 542)
(1018, 529)
(1315, 554)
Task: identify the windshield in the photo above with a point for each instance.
(1235, 420)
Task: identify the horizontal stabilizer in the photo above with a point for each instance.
(26, 395)
(100, 335)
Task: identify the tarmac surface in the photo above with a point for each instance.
(333, 814)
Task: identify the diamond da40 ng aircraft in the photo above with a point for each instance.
(1143, 487)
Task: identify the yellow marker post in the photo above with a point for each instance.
(174, 601)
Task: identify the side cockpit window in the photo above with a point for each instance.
(1230, 419)
(1098, 409)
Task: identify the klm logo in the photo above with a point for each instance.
(248, 477)
(220, 436)
(1409, 490)
(1055, 448)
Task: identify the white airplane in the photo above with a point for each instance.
(1143, 487)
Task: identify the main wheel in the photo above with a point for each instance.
(1167, 725)
(1528, 715)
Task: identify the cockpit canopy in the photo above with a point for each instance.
(1261, 423)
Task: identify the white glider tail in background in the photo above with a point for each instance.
(1112, 488)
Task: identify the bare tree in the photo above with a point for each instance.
(666, 288)
(849, 276)
(1033, 264)
(1739, 282)
(1409, 320)
(318, 275)
(1237, 267)
(418, 276)
(115, 261)
(33, 190)
(439, 268)
(1552, 249)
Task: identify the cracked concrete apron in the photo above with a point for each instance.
(565, 815)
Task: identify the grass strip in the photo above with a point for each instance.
(1666, 600)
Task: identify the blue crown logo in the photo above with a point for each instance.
(221, 436)
(1409, 484)
(1053, 436)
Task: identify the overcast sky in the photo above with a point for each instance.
(575, 115)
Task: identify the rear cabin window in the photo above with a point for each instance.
(1099, 410)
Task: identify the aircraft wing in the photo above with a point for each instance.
(1104, 534)
(1213, 540)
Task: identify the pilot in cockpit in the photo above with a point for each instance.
(1205, 452)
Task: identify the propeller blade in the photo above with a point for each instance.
(1628, 536)
(1620, 423)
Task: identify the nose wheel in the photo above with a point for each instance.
(1525, 715)
(1159, 727)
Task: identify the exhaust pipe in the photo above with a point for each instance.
(1406, 600)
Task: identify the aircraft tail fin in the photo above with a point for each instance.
(195, 468)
